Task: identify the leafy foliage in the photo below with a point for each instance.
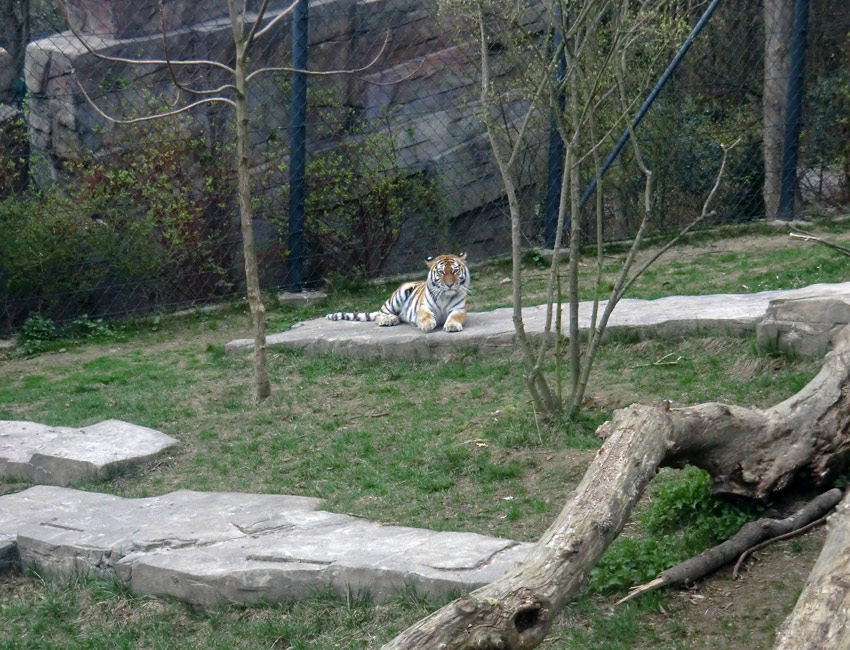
(36, 333)
(40, 334)
(358, 193)
(138, 226)
(687, 502)
(358, 199)
(827, 130)
(14, 150)
(683, 519)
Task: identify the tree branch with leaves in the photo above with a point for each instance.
(247, 29)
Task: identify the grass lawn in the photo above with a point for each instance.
(449, 445)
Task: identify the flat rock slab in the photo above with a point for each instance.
(63, 455)
(805, 327)
(494, 330)
(211, 549)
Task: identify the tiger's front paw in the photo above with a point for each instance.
(427, 323)
(452, 326)
(387, 320)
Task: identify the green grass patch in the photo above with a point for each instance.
(449, 445)
(89, 614)
(681, 520)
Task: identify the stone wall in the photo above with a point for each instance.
(425, 79)
(7, 76)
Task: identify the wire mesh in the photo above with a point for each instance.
(99, 218)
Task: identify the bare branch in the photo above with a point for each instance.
(525, 122)
(691, 225)
(395, 81)
(146, 118)
(540, 393)
(736, 571)
(274, 21)
(260, 14)
(325, 73)
(807, 236)
(749, 538)
(118, 59)
(168, 63)
(237, 27)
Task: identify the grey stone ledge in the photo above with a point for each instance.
(804, 327)
(493, 330)
(211, 549)
(63, 455)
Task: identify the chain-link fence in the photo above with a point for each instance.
(103, 218)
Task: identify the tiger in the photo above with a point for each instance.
(440, 299)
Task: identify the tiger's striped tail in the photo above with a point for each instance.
(361, 316)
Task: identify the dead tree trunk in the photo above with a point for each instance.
(749, 452)
(515, 612)
(819, 619)
(778, 16)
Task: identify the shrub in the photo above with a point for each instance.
(36, 334)
(358, 199)
(358, 194)
(145, 223)
(14, 151)
(827, 132)
(683, 519)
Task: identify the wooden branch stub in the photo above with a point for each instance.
(750, 536)
(820, 618)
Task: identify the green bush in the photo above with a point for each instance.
(687, 502)
(358, 194)
(826, 137)
(14, 152)
(36, 334)
(358, 199)
(682, 520)
(145, 223)
(40, 333)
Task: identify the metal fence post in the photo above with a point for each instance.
(793, 111)
(297, 148)
(650, 99)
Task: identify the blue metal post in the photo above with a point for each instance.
(297, 147)
(659, 85)
(556, 146)
(793, 111)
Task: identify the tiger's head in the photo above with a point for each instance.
(448, 274)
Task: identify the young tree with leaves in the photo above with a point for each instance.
(248, 28)
(611, 52)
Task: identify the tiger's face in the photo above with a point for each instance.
(448, 274)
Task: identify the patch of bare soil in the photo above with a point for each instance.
(742, 614)
(746, 243)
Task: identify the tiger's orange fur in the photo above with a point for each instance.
(440, 299)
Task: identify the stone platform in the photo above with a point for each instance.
(63, 455)
(494, 330)
(211, 549)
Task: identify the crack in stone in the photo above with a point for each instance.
(52, 524)
(248, 530)
(481, 563)
(286, 560)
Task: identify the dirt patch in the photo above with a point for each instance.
(741, 614)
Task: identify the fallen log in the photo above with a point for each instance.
(515, 612)
(749, 452)
(820, 619)
(751, 535)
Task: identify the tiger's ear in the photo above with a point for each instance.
(429, 262)
(462, 256)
